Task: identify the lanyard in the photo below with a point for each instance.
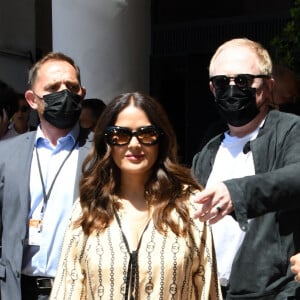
(132, 278)
(47, 195)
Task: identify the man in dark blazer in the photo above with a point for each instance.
(251, 177)
(39, 175)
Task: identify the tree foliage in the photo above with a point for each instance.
(287, 43)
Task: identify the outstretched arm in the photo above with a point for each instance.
(215, 203)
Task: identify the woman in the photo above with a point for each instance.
(132, 235)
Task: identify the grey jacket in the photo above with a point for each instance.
(15, 163)
(261, 268)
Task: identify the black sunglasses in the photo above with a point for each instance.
(120, 136)
(241, 80)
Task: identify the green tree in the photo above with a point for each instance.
(287, 44)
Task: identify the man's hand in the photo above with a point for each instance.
(215, 203)
(295, 266)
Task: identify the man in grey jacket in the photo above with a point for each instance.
(251, 176)
(39, 174)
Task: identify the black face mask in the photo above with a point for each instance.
(237, 106)
(62, 109)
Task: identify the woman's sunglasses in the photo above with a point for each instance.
(120, 136)
(241, 80)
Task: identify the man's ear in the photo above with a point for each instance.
(31, 99)
(271, 83)
(212, 89)
(83, 91)
(268, 86)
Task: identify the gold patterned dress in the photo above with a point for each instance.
(101, 266)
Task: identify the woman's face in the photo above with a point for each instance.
(134, 158)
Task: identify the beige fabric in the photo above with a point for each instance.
(170, 267)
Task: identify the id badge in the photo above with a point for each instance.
(35, 232)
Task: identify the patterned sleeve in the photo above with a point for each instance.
(69, 280)
(206, 279)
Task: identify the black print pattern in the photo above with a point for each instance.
(165, 266)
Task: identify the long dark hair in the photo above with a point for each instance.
(169, 185)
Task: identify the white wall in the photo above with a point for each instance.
(108, 39)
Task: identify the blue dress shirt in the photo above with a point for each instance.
(43, 260)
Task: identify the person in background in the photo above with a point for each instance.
(20, 120)
(8, 106)
(131, 234)
(251, 176)
(39, 175)
(92, 109)
(286, 91)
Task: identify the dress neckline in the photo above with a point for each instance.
(132, 277)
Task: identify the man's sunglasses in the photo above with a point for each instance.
(241, 80)
(120, 136)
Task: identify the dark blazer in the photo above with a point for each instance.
(261, 268)
(15, 164)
